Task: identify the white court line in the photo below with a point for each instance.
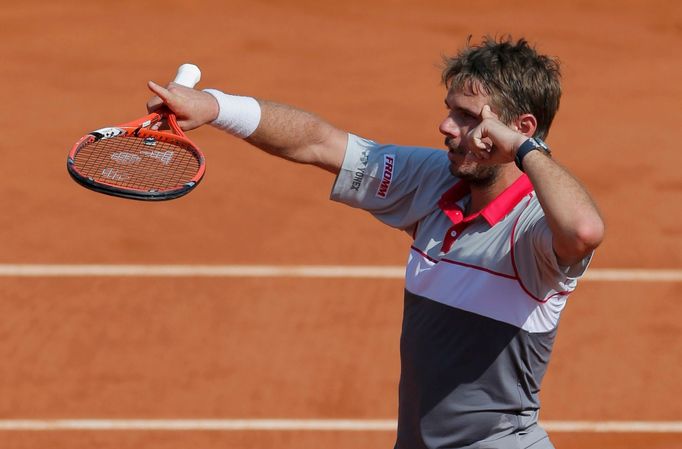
(308, 425)
(305, 271)
(294, 271)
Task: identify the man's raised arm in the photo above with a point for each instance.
(278, 129)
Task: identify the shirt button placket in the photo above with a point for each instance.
(453, 232)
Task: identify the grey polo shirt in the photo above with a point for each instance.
(483, 295)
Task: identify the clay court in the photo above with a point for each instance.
(252, 359)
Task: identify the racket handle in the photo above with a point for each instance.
(188, 75)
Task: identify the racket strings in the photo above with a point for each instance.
(138, 163)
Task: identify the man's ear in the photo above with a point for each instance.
(526, 124)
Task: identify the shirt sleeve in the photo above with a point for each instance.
(535, 260)
(398, 185)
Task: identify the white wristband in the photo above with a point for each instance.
(237, 115)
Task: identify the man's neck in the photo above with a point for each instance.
(481, 196)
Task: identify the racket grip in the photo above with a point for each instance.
(188, 75)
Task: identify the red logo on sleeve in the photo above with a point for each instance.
(389, 164)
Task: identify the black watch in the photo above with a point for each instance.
(526, 147)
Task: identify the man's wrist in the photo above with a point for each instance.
(239, 116)
(212, 115)
(528, 146)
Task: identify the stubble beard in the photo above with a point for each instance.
(479, 176)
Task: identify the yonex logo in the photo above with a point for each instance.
(107, 133)
(360, 172)
(164, 157)
(112, 173)
(389, 164)
(125, 158)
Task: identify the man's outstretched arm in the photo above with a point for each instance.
(278, 129)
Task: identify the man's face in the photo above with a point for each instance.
(464, 113)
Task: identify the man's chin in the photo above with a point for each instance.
(479, 177)
(466, 172)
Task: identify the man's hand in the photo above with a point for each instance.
(492, 141)
(192, 107)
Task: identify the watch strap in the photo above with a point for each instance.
(526, 147)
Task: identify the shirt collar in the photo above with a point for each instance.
(494, 211)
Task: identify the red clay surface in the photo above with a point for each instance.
(292, 348)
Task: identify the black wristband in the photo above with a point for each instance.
(528, 146)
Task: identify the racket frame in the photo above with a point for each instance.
(139, 128)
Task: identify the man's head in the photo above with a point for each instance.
(509, 76)
(517, 79)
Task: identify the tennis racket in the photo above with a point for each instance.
(137, 161)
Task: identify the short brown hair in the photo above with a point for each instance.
(517, 78)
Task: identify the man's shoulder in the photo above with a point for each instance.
(414, 151)
(531, 210)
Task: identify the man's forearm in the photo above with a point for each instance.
(573, 218)
(299, 136)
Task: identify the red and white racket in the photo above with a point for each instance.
(135, 161)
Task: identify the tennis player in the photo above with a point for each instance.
(501, 234)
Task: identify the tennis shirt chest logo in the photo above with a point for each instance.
(389, 165)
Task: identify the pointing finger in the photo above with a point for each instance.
(158, 100)
(487, 112)
(161, 91)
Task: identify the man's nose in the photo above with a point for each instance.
(448, 127)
